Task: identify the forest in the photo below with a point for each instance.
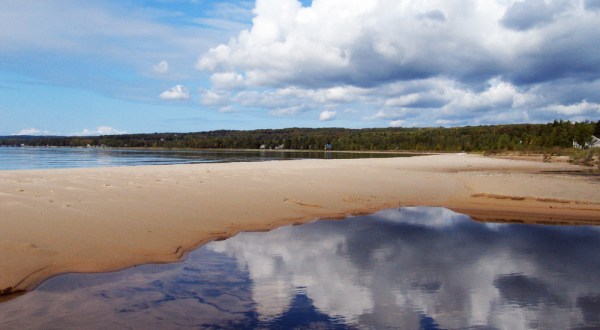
(494, 138)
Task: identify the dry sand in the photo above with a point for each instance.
(101, 219)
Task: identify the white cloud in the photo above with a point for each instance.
(327, 115)
(107, 130)
(421, 61)
(577, 109)
(177, 92)
(393, 113)
(31, 131)
(161, 67)
(397, 123)
(100, 130)
(227, 80)
(287, 111)
(212, 97)
(115, 41)
(324, 44)
(97, 29)
(499, 93)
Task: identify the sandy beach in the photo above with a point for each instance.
(102, 219)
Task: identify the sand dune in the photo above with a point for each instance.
(88, 220)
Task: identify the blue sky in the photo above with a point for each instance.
(73, 67)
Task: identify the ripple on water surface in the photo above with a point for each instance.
(45, 158)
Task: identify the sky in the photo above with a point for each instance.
(91, 67)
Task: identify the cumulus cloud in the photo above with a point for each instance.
(324, 45)
(100, 130)
(227, 80)
(420, 61)
(178, 92)
(583, 109)
(327, 115)
(161, 67)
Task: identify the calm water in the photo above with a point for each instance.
(418, 268)
(43, 158)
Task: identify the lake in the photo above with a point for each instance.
(15, 158)
(408, 268)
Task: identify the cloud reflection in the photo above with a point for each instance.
(395, 267)
(408, 268)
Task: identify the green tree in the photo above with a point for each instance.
(583, 132)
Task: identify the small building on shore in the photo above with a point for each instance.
(594, 143)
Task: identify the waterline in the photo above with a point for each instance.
(46, 158)
(414, 268)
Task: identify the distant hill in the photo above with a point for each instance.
(518, 137)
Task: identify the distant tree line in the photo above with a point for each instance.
(518, 137)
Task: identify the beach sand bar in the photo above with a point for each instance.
(103, 219)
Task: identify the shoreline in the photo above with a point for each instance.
(105, 219)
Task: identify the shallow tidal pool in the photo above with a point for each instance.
(413, 268)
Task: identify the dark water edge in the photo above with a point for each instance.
(413, 268)
(17, 158)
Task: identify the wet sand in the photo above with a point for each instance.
(102, 219)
